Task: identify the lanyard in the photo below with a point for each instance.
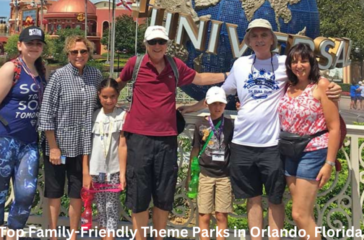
(105, 141)
(39, 84)
(217, 129)
(252, 67)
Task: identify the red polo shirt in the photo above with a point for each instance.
(153, 111)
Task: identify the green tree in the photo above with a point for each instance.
(59, 54)
(343, 19)
(125, 34)
(11, 47)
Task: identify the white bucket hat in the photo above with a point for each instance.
(260, 23)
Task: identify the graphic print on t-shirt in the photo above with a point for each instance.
(261, 84)
(213, 144)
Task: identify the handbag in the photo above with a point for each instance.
(292, 145)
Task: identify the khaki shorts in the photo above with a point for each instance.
(214, 194)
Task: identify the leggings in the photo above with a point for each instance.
(108, 204)
(20, 162)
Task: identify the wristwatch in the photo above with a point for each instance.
(332, 164)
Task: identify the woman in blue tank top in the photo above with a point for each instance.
(21, 90)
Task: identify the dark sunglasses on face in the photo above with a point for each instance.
(155, 41)
(75, 52)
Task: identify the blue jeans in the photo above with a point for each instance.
(20, 162)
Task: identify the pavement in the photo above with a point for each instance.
(350, 115)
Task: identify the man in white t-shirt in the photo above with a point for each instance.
(259, 81)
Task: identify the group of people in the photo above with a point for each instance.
(276, 94)
(89, 145)
(136, 149)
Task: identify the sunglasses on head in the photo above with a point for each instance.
(155, 41)
(75, 52)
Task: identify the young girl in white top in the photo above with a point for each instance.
(107, 163)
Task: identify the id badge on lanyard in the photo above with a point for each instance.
(218, 155)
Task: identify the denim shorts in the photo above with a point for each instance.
(308, 166)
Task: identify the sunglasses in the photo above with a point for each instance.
(76, 52)
(155, 41)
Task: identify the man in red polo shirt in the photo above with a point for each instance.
(151, 130)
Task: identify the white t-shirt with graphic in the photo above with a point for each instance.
(259, 88)
(103, 125)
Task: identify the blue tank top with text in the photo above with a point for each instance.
(20, 108)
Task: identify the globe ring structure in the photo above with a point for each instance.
(304, 14)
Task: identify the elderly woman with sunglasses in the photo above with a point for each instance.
(66, 114)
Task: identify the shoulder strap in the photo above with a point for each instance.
(136, 69)
(138, 62)
(17, 70)
(174, 69)
(208, 139)
(319, 133)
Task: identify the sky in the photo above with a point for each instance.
(5, 7)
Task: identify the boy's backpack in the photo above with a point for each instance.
(17, 70)
(181, 123)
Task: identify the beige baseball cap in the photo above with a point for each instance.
(154, 32)
(260, 23)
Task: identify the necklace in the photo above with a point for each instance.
(39, 84)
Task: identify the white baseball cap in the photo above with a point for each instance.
(260, 23)
(215, 94)
(154, 32)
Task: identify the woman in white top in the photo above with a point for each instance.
(107, 163)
